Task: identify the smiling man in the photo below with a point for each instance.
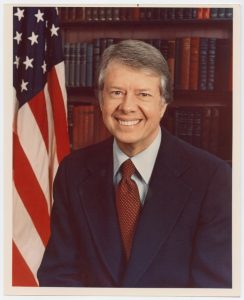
(142, 209)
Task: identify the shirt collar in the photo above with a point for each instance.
(143, 161)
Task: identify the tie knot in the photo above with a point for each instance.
(127, 169)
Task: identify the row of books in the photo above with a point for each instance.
(200, 127)
(143, 13)
(195, 63)
(197, 126)
(86, 126)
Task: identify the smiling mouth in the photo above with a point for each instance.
(129, 122)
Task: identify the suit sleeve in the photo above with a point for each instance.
(60, 265)
(212, 249)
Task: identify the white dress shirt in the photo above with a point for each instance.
(143, 161)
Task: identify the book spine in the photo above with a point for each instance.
(211, 64)
(179, 13)
(66, 62)
(108, 14)
(96, 58)
(185, 63)
(88, 14)
(71, 13)
(72, 65)
(206, 127)
(203, 58)
(213, 12)
(94, 14)
(194, 12)
(163, 14)
(223, 64)
(80, 14)
(101, 14)
(115, 14)
(221, 12)
(177, 64)
(70, 119)
(135, 13)
(156, 13)
(83, 47)
(75, 131)
(171, 60)
(194, 64)
(197, 128)
(164, 48)
(229, 13)
(89, 65)
(206, 13)
(214, 131)
(171, 13)
(199, 13)
(77, 64)
(187, 13)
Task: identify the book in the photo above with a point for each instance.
(66, 62)
(206, 127)
(115, 14)
(194, 63)
(77, 64)
(200, 13)
(89, 65)
(72, 61)
(206, 13)
(221, 13)
(83, 72)
(203, 59)
(96, 58)
(185, 51)
(213, 12)
(211, 63)
(101, 14)
(187, 13)
(214, 131)
(179, 13)
(83, 128)
(70, 120)
(228, 12)
(171, 60)
(177, 64)
(223, 64)
(135, 15)
(197, 128)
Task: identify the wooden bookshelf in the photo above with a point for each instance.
(205, 106)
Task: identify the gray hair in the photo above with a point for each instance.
(137, 55)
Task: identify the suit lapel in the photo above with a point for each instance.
(97, 197)
(167, 196)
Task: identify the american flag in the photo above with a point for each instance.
(40, 135)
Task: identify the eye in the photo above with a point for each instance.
(144, 95)
(116, 93)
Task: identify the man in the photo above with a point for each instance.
(142, 209)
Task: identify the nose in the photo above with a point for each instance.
(128, 104)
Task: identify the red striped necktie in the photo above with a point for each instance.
(128, 205)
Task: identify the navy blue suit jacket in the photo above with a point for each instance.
(183, 237)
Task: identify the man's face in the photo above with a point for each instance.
(131, 106)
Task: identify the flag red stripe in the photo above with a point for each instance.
(21, 273)
(59, 115)
(30, 191)
(39, 110)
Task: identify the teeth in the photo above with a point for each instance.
(128, 123)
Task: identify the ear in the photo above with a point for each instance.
(163, 109)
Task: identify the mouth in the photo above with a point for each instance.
(129, 122)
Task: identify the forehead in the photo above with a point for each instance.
(119, 72)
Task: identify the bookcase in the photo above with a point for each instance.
(197, 44)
